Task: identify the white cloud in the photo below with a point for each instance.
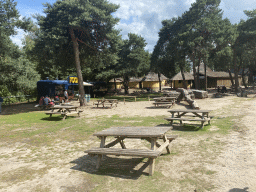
(17, 39)
(233, 9)
(239, 4)
(144, 17)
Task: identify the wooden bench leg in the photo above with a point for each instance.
(98, 161)
(202, 124)
(122, 144)
(151, 160)
(151, 166)
(167, 148)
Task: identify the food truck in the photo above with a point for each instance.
(53, 88)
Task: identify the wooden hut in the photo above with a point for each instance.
(214, 78)
(177, 80)
(149, 81)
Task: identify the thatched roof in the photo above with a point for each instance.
(153, 77)
(118, 80)
(188, 76)
(149, 77)
(209, 73)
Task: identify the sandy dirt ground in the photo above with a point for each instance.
(234, 166)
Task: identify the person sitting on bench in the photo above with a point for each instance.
(224, 89)
(48, 102)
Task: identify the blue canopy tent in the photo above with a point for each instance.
(57, 87)
(48, 87)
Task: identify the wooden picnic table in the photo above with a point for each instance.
(164, 101)
(106, 102)
(64, 110)
(167, 99)
(150, 134)
(181, 114)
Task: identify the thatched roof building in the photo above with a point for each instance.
(214, 78)
(150, 80)
(178, 76)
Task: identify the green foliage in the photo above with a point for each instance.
(92, 24)
(134, 60)
(17, 73)
(190, 37)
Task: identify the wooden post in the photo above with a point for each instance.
(148, 98)
(151, 160)
(124, 100)
(135, 98)
(102, 145)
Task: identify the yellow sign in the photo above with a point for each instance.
(73, 80)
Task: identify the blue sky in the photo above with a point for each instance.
(144, 17)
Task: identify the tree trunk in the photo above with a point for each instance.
(198, 80)
(159, 79)
(184, 94)
(115, 83)
(78, 67)
(236, 72)
(194, 71)
(244, 83)
(126, 85)
(183, 78)
(195, 76)
(236, 79)
(231, 77)
(205, 76)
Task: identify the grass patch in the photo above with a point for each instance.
(22, 174)
(36, 130)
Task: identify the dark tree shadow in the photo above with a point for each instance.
(184, 127)
(56, 118)
(128, 168)
(159, 107)
(101, 107)
(19, 108)
(239, 190)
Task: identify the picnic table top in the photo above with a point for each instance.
(135, 132)
(189, 110)
(166, 98)
(64, 107)
(106, 100)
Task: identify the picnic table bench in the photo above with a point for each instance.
(164, 101)
(106, 102)
(150, 134)
(181, 115)
(64, 110)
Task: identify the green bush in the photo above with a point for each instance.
(4, 92)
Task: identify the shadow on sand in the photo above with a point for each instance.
(239, 190)
(184, 127)
(19, 108)
(128, 168)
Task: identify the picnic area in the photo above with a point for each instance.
(43, 153)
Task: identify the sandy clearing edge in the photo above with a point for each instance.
(236, 167)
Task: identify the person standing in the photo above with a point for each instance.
(66, 95)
